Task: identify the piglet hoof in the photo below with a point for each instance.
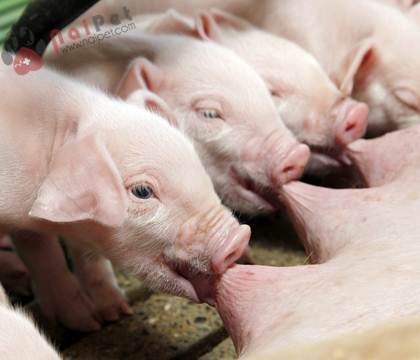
(5, 242)
(66, 303)
(109, 301)
(14, 275)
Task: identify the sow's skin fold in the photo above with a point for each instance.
(19, 337)
(365, 243)
(219, 102)
(93, 169)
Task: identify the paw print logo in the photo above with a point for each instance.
(26, 59)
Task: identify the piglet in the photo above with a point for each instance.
(111, 177)
(306, 99)
(354, 41)
(19, 337)
(364, 245)
(221, 103)
(357, 45)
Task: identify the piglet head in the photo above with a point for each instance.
(228, 112)
(307, 101)
(141, 196)
(383, 73)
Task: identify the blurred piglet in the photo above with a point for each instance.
(19, 337)
(111, 177)
(366, 48)
(219, 100)
(306, 99)
(364, 244)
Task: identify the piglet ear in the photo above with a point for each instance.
(207, 27)
(171, 22)
(357, 64)
(208, 24)
(141, 74)
(152, 102)
(83, 183)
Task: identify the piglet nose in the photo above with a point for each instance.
(232, 249)
(292, 167)
(351, 122)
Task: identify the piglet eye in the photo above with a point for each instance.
(142, 191)
(210, 114)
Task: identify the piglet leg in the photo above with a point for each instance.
(58, 291)
(5, 242)
(97, 278)
(13, 274)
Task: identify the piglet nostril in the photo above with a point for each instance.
(354, 124)
(350, 127)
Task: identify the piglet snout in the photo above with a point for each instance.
(231, 249)
(351, 121)
(292, 166)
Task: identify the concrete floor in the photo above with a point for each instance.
(166, 327)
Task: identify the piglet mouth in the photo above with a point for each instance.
(262, 197)
(198, 285)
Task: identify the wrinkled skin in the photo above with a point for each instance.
(102, 179)
(19, 338)
(365, 243)
(218, 100)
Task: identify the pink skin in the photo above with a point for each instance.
(225, 113)
(379, 166)
(306, 99)
(404, 5)
(20, 338)
(355, 43)
(55, 193)
(362, 277)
